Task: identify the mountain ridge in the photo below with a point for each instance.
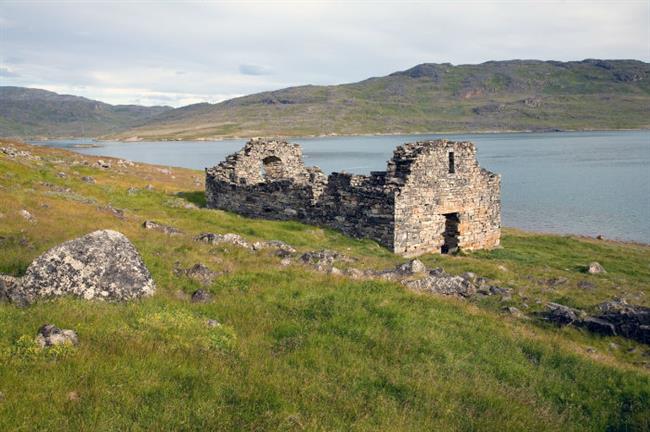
(494, 96)
(26, 111)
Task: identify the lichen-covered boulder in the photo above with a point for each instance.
(100, 265)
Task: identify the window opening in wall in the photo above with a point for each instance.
(271, 168)
(452, 167)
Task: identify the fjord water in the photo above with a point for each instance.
(587, 183)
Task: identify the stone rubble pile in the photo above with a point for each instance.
(14, 153)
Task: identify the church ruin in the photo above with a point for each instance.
(433, 197)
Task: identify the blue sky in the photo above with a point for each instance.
(176, 53)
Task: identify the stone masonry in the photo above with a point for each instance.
(433, 197)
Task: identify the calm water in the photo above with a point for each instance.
(575, 182)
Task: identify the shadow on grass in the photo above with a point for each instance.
(195, 197)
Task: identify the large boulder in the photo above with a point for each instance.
(100, 265)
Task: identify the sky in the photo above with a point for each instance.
(177, 53)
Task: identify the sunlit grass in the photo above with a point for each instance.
(297, 349)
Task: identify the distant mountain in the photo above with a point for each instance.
(494, 96)
(514, 95)
(28, 112)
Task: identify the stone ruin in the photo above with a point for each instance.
(433, 197)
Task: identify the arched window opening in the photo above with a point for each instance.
(272, 168)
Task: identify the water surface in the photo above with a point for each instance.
(586, 183)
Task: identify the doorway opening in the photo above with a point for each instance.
(450, 244)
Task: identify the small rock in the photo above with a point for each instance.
(132, 191)
(73, 396)
(201, 274)
(469, 276)
(231, 238)
(323, 257)
(335, 271)
(50, 335)
(285, 262)
(586, 285)
(169, 230)
(591, 350)
(600, 237)
(201, 296)
(213, 323)
(102, 164)
(88, 179)
(27, 215)
(613, 346)
(354, 273)
(61, 174)
(502, 268)
(514, 311)
(149, 187)
(595, 268)
(414, 266)
(443, 284)
(553, 282)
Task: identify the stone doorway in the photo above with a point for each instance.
(450, 235)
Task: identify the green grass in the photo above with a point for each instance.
(300, 350)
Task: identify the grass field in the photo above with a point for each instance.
(297, 349)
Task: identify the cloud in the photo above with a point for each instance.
(255, 70)
(166, 52)
(7, 73)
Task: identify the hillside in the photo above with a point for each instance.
(297, 348)
(27, 112)
(517, 95)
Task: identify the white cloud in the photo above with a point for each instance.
(190, 52)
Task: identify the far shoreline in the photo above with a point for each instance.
(136, 139)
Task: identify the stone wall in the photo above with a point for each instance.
(430, 191)
(424, 193)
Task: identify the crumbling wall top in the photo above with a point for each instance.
(263, 160)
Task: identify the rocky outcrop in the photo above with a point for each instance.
(629, 321)
(614, 318)
(101, 265)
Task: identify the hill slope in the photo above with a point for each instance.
(27, 112)
(493, 96)
(298, 349)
